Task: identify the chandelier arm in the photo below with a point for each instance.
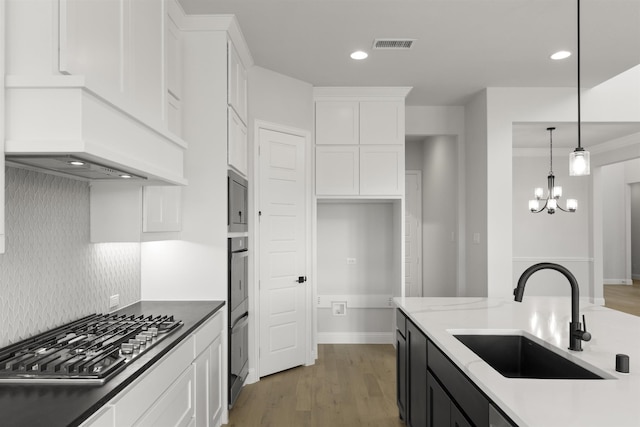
(543, 207)
(563, 210)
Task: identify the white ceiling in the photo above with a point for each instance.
(462, 46)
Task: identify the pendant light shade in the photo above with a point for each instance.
(579, 160)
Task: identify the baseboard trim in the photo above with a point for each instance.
(355, 337)
(617, 282)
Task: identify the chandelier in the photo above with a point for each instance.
(553, 192)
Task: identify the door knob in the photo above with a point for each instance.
(301, 279)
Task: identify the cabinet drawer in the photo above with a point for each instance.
(175, 407)
(401, 322)
(131, 404)
(467, 396)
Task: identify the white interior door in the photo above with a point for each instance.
(413, 234)
(283, 328)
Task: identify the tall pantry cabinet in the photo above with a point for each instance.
(359, 190)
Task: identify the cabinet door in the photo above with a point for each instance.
(237, 144)
(215, 393)
(176, 407)
(162, 209)
(203, 367)
(174, 115)
(457, 418)
(90, 44)
(401, 374)
(337, 171)
(337, 122)
(237, 83)
(382, 122)
(381, 170)
(416, 377)
(173, 40)
(143, 76)
(438, 404)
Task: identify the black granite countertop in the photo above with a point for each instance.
(35, 405)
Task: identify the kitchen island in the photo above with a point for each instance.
(50, 405)
(611, 401)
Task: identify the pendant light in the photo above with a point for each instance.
(579, 159)
(553, 192)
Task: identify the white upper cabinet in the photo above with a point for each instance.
(237, 147)
(237, 83)
(337, 122)
(117, 47)
(91, 78)
(173, 40)
(359, 134)
(382, 122)
(381, 170)
(337, 170)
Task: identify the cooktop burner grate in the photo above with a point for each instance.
(89, 350)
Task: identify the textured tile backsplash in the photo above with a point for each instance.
(50, 273)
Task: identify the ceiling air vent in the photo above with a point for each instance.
(393, 43)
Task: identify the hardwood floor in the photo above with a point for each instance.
(623, 297)
(349, 385)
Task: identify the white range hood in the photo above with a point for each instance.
(53, 120)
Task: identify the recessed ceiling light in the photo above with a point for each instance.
(76, 163)
(126, 176)
(359, 54)
(561, 55)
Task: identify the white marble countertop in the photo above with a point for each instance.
(614, 401)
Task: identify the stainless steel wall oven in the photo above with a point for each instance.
(238, 315)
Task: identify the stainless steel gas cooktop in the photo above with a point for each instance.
(90, 350)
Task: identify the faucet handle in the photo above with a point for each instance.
(584, 335)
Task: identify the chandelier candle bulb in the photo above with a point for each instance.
(557, 192)
(533, 205)
(572, 205)
(538, 192)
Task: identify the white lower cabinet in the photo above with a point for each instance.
(183, 389)
(176, 407)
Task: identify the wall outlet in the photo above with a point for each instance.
(351, 261)
(114, 301)
(339, 308)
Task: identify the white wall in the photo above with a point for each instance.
(280, 99)
(476, 209)
(432, 121)
(617, 182)
(635, 231)
(439, 216)
(614, 227)
(195, 267)
(364, 232)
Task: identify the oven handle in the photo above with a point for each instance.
(241, 321)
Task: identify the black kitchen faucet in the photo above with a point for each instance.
(576, 334)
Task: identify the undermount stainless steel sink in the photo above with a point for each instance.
(516, 356)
